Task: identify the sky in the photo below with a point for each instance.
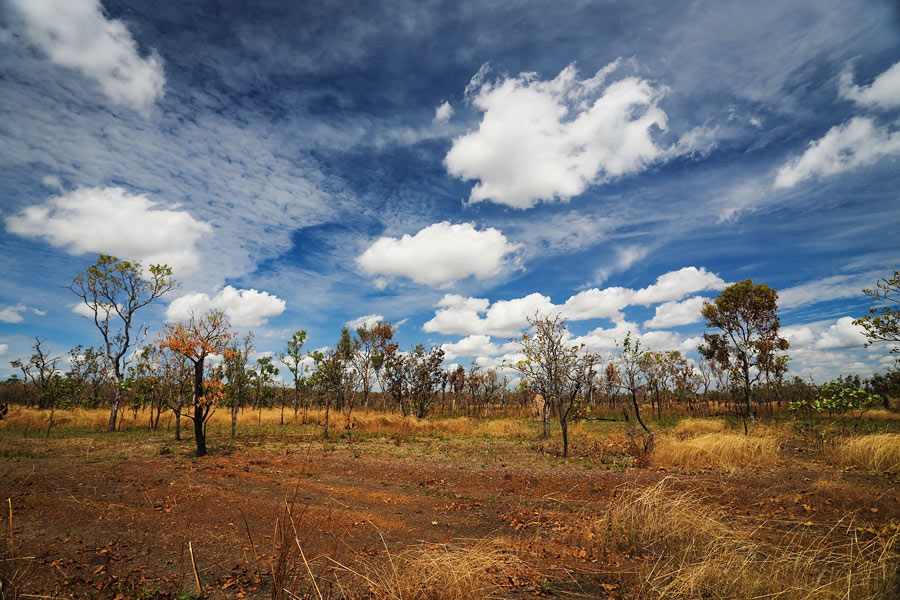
(454, 167)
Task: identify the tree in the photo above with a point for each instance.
(424, 373)
(40, 369)
(235, 361)
(747, 314)
(558, 371)
(631, 377)
(294, 359)
(196, 339)
(882, 324)
(113, 291)
(264, 376)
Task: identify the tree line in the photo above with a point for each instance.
(742, 369)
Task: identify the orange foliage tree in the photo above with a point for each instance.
(197, 339)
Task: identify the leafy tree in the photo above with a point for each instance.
(747, 314)
(294, 359)
(423, 374)
(196, 339)
(882, 324)
(366, 359)
(150, 375)
(263, 376)
(235, 359)
(886, 386)
(631, 377)
(557, 370)
(90, 370)
(113, 291)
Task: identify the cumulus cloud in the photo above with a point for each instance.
(4, 348)
(547, 140)
(843, 334)
(244, 308)
(111, 220)
(460, 315)
(77, 35)
(13, 314)
(365, 320)
(672, 314)
(440, 254)
(675, 285)
(473, 345)
(884, 92)
(443, 113)
(854, 144)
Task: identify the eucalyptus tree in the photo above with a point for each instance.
(197, 339)
(556, 369)
(235, 359)
(747, 315)
(631, 375)
(882, 323)
(295, 360)
(424, 374)
(112, 291)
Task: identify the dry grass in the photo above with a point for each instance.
(441, 572)
(878, 452)
(363, 421)
(695, 553)
(726, 451)
(692, 426)
(881, 414)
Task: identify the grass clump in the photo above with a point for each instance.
(726, 451)
(878, 452)
(692, 426)
(692, 552)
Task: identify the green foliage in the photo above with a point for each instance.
(882, 324)
(837, 398)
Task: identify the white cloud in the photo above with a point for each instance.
(597, 304)
(856, 143)
(545, 140)
(365, 320)
(460, 315)
(244, 308)
(799, 336)
(675, 285)
(473, 345)
(843, 334)
(4, 348)
(76, 34)
(626, 256)
(672, 314)
(830, 288)
(13, 314)
(443, 113)
(884, 92)
(110, 220)
(440, 254)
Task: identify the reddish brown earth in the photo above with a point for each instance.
(111, 516)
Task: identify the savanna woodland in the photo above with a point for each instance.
(449, 300)
(374, 472)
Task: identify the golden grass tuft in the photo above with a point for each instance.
(879, 452)
(695, 553)
(442, 572)
(726, 451)
(692, 426)
(505, 428)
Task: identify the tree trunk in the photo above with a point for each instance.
(545, 416)
(114, 408)
(199, 432)
(233, 419)
(565, 433)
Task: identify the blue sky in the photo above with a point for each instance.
(454, 167)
